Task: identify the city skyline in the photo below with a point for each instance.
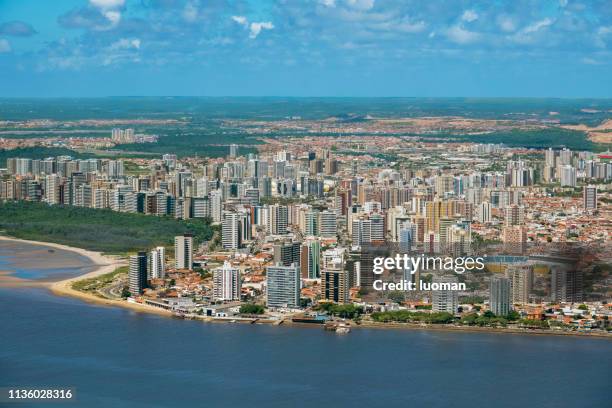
(360, 48)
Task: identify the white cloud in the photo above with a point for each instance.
(526, 35)
(126, 44)
(5, 46)
(469, 16)
(113, 16)
(256, 28)
(240, 20)
(109, 9)
(537, 26)
(107, 4)
(460, 35)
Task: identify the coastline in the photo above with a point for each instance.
(108, 263)
(104, 264)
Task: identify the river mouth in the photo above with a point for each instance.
(37, 264)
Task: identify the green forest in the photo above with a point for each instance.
(95, 229)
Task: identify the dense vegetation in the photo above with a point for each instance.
(417, 317)
(251, 308)
(95, 229)
(343, 311)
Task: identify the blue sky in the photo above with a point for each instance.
(306, 48)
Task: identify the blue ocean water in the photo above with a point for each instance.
(115, 357)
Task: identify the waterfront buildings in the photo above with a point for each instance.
(499, 296)
(158, 263)
(445, 300)
(137, 273)
(226, 283)
(283, 286)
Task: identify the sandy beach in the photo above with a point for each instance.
(104, 264)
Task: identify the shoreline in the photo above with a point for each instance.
(108, 263)
(103, 263)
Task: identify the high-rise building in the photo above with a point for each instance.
(521, 282)
(499, 296)
(287, 253)
(137, 273)
(283, 286)
(226, 283)
(233, 151)
(589, 197)
(158, 263)
(515, 215)
(335, 282)
(328, 224)
(278, 219)
(568, 176)
(444, 300)
(484, 212)
(566, 285)
(230, 231)
(310, 260)
(183, 251)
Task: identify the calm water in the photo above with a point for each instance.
(39, 262)
(118, 358)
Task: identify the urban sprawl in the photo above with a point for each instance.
(301, 222)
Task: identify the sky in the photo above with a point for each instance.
(337, 48)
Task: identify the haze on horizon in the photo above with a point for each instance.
(338, 48)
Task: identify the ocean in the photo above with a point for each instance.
(114, 357)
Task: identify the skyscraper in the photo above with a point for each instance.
(287, 253)
(226, 283)
(233, 151)
(521, 282)
(499, 296)
(445, 300)
(137, 274)
(335, 282)
(568, 176)
(158, 266)
(183, 251)
(230, 230)
(589, 196)
(283, 285)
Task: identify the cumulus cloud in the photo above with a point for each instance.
(5, 46)
(460, 35)
(242, 20)
(255, 28)
(17, 29)
(469, 16)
